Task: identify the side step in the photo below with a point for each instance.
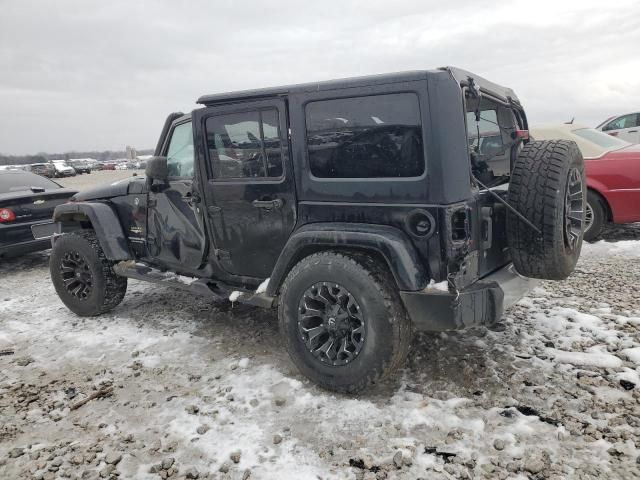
(199, 286)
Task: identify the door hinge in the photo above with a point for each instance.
(222, 254)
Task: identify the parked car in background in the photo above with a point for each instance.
(63, 169)
(43, 169)
(613, 174)
(80, 165)
(108, 166)
(625, 127)
(26, 200)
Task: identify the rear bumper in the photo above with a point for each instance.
(16, 239)
(481, 303)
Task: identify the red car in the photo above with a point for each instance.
(613, 174)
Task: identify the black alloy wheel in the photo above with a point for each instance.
(76, 275)
(331, 323)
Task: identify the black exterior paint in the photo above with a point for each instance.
(224, 230)
(104, 221)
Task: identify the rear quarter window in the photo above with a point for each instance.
(377, 136)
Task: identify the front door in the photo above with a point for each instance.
(249, 192)
(175, 234)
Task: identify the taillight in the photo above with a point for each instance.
(523, 134)
(7, 215)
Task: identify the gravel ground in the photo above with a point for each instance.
(186, 389)
(97, 177)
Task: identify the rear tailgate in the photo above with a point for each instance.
(491, 232)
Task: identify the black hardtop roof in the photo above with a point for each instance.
(459, 75)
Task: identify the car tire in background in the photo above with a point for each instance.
(343, 321)
(548, 187)
(595, 216)
(82, 275)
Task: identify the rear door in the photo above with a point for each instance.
(249, 191)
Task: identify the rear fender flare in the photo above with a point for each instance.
(104, 222)
(387, 242)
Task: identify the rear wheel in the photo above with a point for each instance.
(344, 324)
(83, 277)
(595, 217)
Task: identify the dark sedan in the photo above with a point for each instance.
(26, 200)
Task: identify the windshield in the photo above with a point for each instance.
(16, 182)
(601, 139)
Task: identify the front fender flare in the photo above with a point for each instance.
(104, 222)
(389, 242)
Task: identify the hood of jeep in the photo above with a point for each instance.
(110, 190)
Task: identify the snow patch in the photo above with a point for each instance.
(440, 286)
(174, 277)
(633, 354)
(628, 248)
(235, 295)
(263, 286)
(591, 357)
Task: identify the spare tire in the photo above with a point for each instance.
(547, 186)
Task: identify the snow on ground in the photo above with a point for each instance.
(208, 391)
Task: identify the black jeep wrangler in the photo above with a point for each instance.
(361, 208)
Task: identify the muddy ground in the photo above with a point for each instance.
(186, 389)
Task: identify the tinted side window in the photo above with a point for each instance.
(180, 152)
(245, 145)
(365, 137)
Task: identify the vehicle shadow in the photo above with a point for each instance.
(616, 233)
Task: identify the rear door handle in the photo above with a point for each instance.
(632, 131)
(268, 204)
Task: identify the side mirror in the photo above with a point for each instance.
(156, 169)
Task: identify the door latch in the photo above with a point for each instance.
(268, 204)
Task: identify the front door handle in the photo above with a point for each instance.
(632, 131)
(268, 204)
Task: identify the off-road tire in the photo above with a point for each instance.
(537, 190)
(387, 325)
(108, 289)
(599, 216)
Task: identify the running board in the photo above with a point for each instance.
(199, 286)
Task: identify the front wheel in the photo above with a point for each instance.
(343, 321)
(82, 275)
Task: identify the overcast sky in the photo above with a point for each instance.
(85, 75)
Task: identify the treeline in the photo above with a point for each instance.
(45, 157)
